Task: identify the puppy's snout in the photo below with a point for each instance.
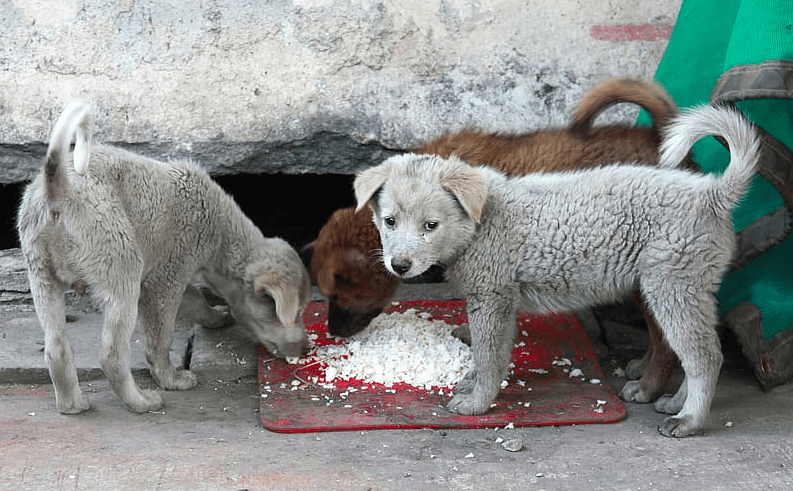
(293, 349)
(400, 265)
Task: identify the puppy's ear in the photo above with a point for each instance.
(287, 299)
(467, 184)
(368, 182)
(326, 280)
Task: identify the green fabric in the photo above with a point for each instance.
(710, 37)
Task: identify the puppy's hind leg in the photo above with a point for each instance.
(120, 317)
(50, 308)
(689, 327)
(158, 305)
(115, 359)
(493, 324)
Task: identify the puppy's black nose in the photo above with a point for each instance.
(400, 265)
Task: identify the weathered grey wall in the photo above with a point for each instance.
(308, 85)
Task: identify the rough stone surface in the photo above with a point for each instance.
(14, 286)
(307, 86)
(22, 358)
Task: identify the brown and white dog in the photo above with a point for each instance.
(346, 261)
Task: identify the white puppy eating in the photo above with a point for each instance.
(136, 232)
(560, 241)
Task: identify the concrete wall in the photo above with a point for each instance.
(319, 86)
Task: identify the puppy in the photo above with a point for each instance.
(345, 260)
(137, 232)
(349, 272)
(559, 241)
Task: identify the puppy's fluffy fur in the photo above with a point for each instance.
(346, 263)
(137, 232)
(558, 241)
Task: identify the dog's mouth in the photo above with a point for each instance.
(273, 349)
(290, 350)
(344, 322)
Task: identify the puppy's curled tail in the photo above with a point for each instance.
(75, 121)
(728, 123)
(650, 96)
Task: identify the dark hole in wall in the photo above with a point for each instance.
(10, 195)
(293, 207)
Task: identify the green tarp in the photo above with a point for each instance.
(740, 51)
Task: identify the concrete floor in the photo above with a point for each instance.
(210, 437)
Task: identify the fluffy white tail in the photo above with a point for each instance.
(75, 121)
(701, 121)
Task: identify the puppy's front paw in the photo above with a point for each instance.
(148, 400)
(634, 392)
(176, 380)
(678, 427)
(75, 405)
(467, 404)
(183, 380)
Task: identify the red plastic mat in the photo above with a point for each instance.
(556, 380)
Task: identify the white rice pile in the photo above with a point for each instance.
(400, 347)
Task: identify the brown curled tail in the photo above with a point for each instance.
(75, 121)
(650, 96)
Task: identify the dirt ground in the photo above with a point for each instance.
(211, 438)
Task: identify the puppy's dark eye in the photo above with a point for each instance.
(430, 225)
(389, 221)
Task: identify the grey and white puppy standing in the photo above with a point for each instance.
(560, 241)
(136, 232)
